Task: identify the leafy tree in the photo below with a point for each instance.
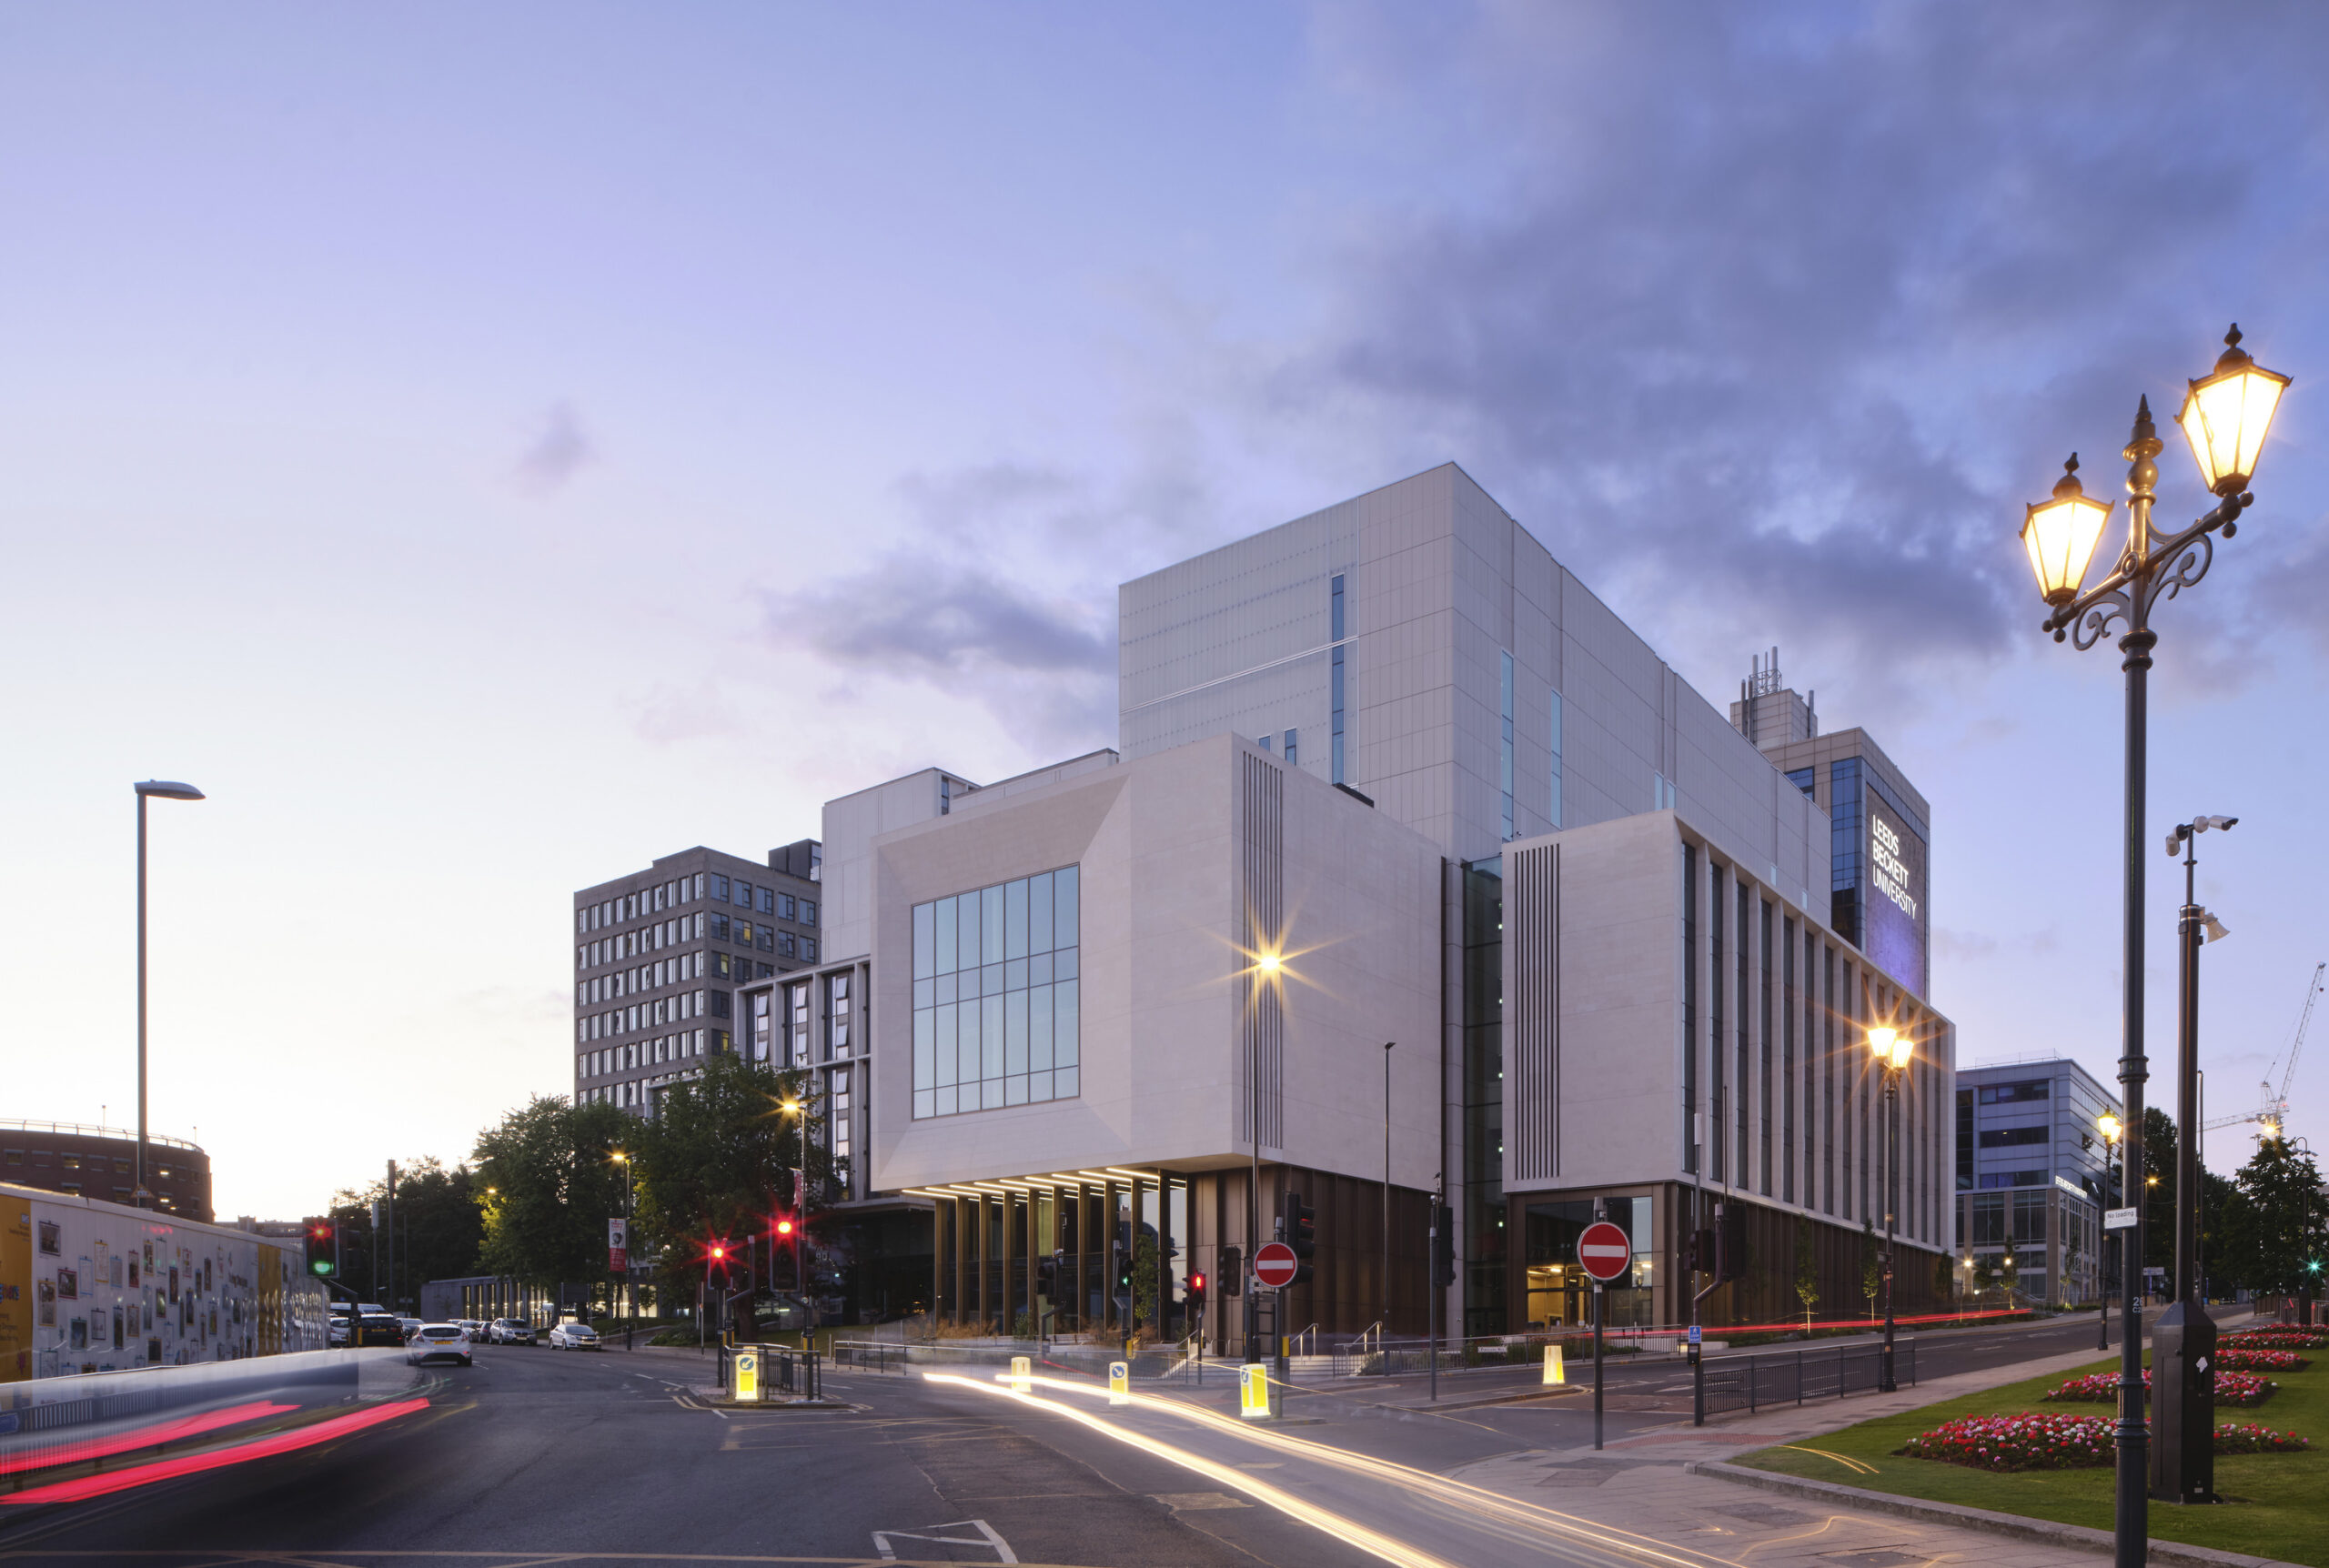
(1871, 1265)
(2158, 1196)
(553, 1186)
(1985, 1274)
(439, 1230)
(1807, 1270)
(718, 1161)
(1143, 1278)
(2282, 1230)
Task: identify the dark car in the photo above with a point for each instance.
(378, 1329)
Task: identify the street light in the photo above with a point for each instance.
(2225, 416)
(143, 1196)
(2193, 926)
(2113, 1130)
(1893, 1049)
(629, 1296)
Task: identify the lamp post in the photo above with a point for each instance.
(143, 1196)
(2193, 926)
(1265, 966)
(629, 1298)
(1893, 1050)
(2113, 1130)
(2225, 416)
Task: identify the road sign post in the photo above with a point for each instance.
(1605, 1252)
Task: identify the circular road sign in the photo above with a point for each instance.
(1603, 1250)
(1274, 1264)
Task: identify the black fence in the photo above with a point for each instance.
(1798, 1377)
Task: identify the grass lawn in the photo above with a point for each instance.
(2276, 1504)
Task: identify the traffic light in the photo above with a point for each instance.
(1233, 1271)
(323, 1248)
(1443, 1246)
(785, 1225)
(1698, 1253)
(1195, 1293)
(1730, 1241)
(1047, 1275)
(1301, 1227)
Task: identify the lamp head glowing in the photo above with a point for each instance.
(1269, 963)
(2111, 1127)
(790, 1107)
(1892, 1048)
(2060, 535)
(2225, 415)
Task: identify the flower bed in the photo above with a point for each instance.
(2281, 1337)
(2103, 1388)
(2242, 1357)
(2034, 1442)
(2024, 1441)
(2234, 1437)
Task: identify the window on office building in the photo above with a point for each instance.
(2010, 1137)
(1336, 676)
(768, 900)
(2014, 1093)
(808, 912)
(760, 1025)
(1554, 797)
(719, 889)
(1290, 757)
(1964, 1140)
(808, 949)
(1504, 751)
(838, 1118)
(797, 1007)
(837, 1010)
(1802, 778)
(996, 1014)
(1844, 847)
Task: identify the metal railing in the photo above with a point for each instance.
(870, 1355)
(793, 1373)
(1794, 1377)
(82, 1130)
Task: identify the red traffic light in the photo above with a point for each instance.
(1196, 1284)
(784, 1226)
(719, 1252)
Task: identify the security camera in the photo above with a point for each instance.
(2206, 822)
(2175, 843)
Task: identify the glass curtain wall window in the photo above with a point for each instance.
(1335, 678)
(1554, 795)
(996, 1015)
(1504, 754)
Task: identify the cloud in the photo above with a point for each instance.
(560, 450)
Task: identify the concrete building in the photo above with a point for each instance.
(2033, 1177)
(1395, 750)
(659, 956)
(101, 1162)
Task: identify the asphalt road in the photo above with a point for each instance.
(534, 1454)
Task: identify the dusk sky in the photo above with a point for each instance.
(486, 450)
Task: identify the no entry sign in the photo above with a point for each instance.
(1603, 1250)
(1274, 1264)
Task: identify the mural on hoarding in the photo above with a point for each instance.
(144, 1290)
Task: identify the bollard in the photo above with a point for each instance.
(1254, 1392)
(1553, 1370)
(1119, 1382)
(748, 1376)
(1022, 1369)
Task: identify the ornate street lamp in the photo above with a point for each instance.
(2113, 1130)
(2225, 416)
(1893, 1049)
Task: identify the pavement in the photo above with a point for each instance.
(616, 1458)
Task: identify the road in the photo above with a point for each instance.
(534, 1454)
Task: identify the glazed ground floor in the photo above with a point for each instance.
(1788, 1255)
(1112, 1249)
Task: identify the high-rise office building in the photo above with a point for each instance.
(2033, 1178)
(660, 955)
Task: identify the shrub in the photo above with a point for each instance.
(2238, 1358)
(2033, 1442)
(2233, 1437)
(2103, 1388)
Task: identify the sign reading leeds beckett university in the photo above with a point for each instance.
(1895, 916)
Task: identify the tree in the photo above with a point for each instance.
(717, 1163)
(2281, 1233)
(1871, 1265)
(1985, 1274)
(439, 1230)
(554, 1185)
(1807, 1270)
(2158, 1195)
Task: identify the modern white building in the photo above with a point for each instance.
(1418, 870)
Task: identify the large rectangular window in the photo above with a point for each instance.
(1335, 678)
(1555, 796)
(1845, 852)
(995, 996)
(1504, 753)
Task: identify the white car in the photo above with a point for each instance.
(574, 1337)
(437, 1342)
(509, 1332)
(472, 1328)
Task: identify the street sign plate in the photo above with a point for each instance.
(1274, 1264)
(2118, 1219)
(1604, 1252)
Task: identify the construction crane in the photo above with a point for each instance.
(2274, 1114)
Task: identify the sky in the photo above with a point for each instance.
(488, 449)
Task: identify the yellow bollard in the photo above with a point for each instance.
(1254, 1392)
(1119, 1383)
(1021, 1369)
(748, 1376)
(1553, 1373)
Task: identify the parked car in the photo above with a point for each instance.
(509, 1332)
(408, 1324)
(378, 1329)
(438, 1342)
(574, 1337)
(472, 1328)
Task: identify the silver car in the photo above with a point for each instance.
(574, 1337)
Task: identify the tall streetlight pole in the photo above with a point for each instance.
(2113, 1130)
(1388, 1046)
(2193, 925)
(143, 1196)
(630, 1297)
(1893, 1049)
(2224, 416)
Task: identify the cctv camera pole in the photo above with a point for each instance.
(2183, 1345)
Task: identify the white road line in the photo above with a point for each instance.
(986, 1537)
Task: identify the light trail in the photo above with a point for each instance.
(1524, 1521)
(1372, 1543)
(97, 1486)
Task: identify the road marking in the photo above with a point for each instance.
(986, 1537)
(1844, 1459)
